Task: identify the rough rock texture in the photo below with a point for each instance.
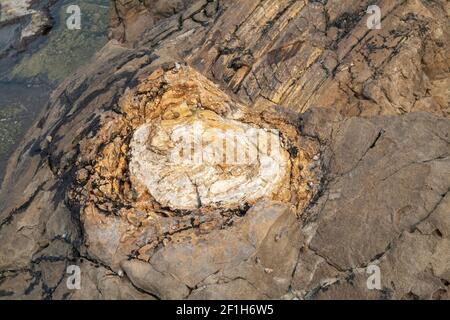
(369, 177)
(128, 18)
(21, 21)
(317, 53)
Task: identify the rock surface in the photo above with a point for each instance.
(128, 18)
(24, 21)
(369, 177)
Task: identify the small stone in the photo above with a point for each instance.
(82, 175)
(268, 270)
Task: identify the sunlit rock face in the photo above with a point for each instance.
(181, 159)
(194, 158)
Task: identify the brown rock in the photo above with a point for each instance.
(368, 176)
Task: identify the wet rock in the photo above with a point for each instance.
(27, 20)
